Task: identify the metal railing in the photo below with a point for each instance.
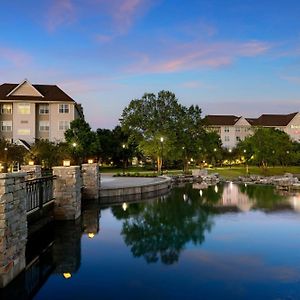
(39, 192)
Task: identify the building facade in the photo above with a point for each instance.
(33, 111)
(233, 129)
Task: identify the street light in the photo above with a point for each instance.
(123, 146)
(162, 154)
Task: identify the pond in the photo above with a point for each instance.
(225, 242)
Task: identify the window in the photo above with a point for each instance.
(227, 139)
(64, 125)
(238, 139)
(6, 126)
(24, 122)
(237, 129)
(44, 125)
(24, 131)
(44, 109)
(226, 129)
(24, 108)
(6, 109)
(63, 108)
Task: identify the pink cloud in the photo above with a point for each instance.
(16, 57)
(60, 13)
(177, 57)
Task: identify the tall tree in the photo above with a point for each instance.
(163, 128)
(82, 141)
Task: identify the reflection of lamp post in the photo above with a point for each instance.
(247, 168)
(162, 154)
(123, 146)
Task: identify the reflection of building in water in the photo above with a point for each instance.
(90, 219)
(294, 200)
(233, 197)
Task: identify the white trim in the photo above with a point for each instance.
(18, 86)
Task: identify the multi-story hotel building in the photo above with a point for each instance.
(34, 111)
(233, 129)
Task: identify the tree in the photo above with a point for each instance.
(164, 128)
(267, 146)
(82, 141)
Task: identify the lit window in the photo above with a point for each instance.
(24, 108)
(63, 108)
(23, 131)
(6, 126)
(64, 125)
(6, 109)
(44, 125)
(44, 109)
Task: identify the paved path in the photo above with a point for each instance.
(110, 182)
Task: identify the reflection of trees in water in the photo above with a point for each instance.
(264, 196)
(160, 229)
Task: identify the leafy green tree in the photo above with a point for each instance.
(83, 142)
(268, 146)
(163, 128)
(44, 153)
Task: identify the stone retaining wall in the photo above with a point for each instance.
(164, 184)
(13, 226)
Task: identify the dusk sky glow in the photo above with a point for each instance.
(227, 56)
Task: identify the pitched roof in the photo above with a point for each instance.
(272, 120)
(49, 92)
(221, 119)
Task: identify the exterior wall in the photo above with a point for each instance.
(41, 134)
(19, 122)
(293, 128)
(228, 136)
(55, 117)
(26, 89)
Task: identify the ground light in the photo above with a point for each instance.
(91, 235)
(66, 163)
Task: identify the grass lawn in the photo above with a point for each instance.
(226, 172)
(234, 172)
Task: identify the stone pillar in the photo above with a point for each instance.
(91, 218)
(91, 181)
(13, 226)
(67, 192)
(33, 172)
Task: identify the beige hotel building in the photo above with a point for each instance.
(34, 111)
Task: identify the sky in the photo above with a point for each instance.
(237, 57)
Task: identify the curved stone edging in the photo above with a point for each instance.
(164, 184)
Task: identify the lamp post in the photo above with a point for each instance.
(123, 146)
(162, 154)
(5, 157)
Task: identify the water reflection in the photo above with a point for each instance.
(159, 230)
(167, 229)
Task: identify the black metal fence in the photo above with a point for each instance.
(39, 192)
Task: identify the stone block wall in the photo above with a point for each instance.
(91, 181)
(13, 226)
(32, 171)
(67, 192)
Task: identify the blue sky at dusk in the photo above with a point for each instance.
(229, 57)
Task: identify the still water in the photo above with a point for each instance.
(225, 242)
